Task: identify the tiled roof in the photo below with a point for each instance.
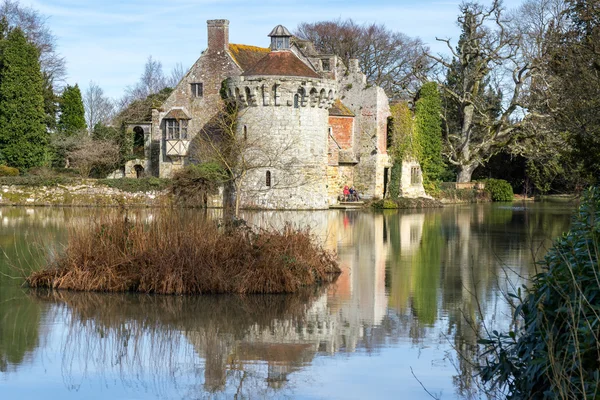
(247, 56)
(283, 63)
(176, 113)
(338, 109)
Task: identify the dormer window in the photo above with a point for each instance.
(325, 64)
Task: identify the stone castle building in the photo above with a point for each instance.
(312, 124)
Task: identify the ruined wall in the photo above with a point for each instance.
(370, 105)
(288, 138)
(410, 186)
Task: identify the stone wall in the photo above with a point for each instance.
(211, 69)
(287, 138)
(370, 105)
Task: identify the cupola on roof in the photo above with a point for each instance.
(280, 38)
(279, 30)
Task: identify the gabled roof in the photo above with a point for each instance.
(177, 113)
(283, 63)
(338, 109)
(247, 56)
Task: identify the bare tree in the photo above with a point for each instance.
(177, 73)
(89, 154)
(389, 59)
(98, 108)
(151, 82)
(246, 155)
(487, 63)
(34, 26)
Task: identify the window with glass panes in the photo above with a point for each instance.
(176, 129)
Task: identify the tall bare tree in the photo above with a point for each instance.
(33, 24)
(244, 155)
(389, 59)
(487, 64)
(98, 107)
(151, 81)
(177, 73)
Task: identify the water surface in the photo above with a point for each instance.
(416, 289)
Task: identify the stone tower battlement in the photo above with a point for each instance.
(279, 91)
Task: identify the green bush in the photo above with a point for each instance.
(33, 180)
(499, 190)
(555, 353)
(8, 171)
(192, 184)
(133, 185)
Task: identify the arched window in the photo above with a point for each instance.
(248, 94)
(245, 132)
(268, 178)
(296, 101)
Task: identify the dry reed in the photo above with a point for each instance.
(175, 254)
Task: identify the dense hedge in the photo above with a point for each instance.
(556, 353)
(136, 185)
(499, 190)
(8, 171)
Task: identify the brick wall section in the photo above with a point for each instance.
(343, 131)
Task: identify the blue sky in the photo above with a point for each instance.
(109, 41)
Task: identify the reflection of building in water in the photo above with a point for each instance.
(336, 321)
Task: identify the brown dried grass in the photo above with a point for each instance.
(175, 254)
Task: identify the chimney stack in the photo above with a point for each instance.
(218, 34)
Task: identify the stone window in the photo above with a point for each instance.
(415, 175)
(268, 179)
(197, 89)
(176, 129)
(245, 132)
(325, 64)
(296, 101)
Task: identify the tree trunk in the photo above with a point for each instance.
(465, 172)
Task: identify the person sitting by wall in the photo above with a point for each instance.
(354, 194)
(346, 193)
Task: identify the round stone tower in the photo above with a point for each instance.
(283, 129)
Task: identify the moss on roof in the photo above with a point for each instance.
(339, 109)
(246, 56)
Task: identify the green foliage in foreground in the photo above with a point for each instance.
(499, 190)
(133, 185)
(555, 353)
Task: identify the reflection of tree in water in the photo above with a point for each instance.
(20, 316)
(147, 340)
(450, 263)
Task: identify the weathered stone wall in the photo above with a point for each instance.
(88, 193)
(408, 188)
(370, 105)
(211, 69)
(287, 138)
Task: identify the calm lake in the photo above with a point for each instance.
(415, 289)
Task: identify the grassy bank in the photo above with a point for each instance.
(172, 254)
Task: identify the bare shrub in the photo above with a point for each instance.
(90, 154)
(176, 254)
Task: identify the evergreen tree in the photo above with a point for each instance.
(23, 136)
(428, 110)
(72, 113)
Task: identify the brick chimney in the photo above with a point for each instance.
(218, 34)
